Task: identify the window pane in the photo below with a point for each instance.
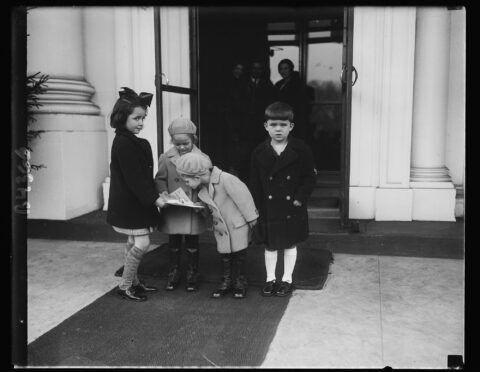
(324, 66)
(174, 106)
(175, 42)
(279, 53)
(319, 34)
(282, 37)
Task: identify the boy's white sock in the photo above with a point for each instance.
(270, 264)
(289, 259)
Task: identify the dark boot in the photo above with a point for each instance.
(192, 269)
(174, 273)
(226, 283)
(240, 284)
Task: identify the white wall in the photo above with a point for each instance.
(120, 51)
(383, 54)
(455, 140)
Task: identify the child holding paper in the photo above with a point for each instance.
(179, 221)
(233, 214)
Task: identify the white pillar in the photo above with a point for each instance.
(433, 191)
(383, 54)
(72, 146)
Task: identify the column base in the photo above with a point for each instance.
(75, 156)
(393, 204)
(361, 203)
(434, 204)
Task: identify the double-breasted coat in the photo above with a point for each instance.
(276, 181)
(132, 196)
(175, 219)
(232, 207)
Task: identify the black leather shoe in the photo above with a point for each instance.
(240, 292)
(191, 287)
(224, 287)
(285, 289)
(192, 282)
(240, 288)
(173, 280)
(143, 287)
(269, 289)
(131, 294)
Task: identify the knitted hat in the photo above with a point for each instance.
(193, 164)
(182, 126)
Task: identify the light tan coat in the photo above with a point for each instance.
(231, 206)
(173, 219)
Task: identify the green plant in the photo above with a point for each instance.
(35, 86)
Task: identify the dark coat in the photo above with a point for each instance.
(131, 202)
(294, 92)
(275, 182)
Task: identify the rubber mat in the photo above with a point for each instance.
(311, 268)
(169, 329)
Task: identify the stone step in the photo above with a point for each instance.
(325, 192)
(328, 213)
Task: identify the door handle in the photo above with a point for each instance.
(342, 75)
(356, 75)
(166, 78)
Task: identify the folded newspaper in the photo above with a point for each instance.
(180, 198)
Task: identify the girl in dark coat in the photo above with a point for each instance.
(133, 199)
(281, 181)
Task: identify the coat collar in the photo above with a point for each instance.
(270, 160)
(173, 154)
(204, 194)
(215, 176)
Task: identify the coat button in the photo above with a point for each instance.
(288, 217)
(270, 196)
(220, 234)
(215, 223)
(288, 177)
(270, 178)
(288, 197)
(177, 179)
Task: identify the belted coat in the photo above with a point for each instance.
(275, 182)
(132, 196)
(231, 206)
(175, 219)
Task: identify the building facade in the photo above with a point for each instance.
(406, 132)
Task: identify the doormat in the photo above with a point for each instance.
(311, 268)
(170, 329)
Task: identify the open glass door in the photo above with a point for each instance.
(347, 83)
(176, 78)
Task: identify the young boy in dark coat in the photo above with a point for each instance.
(281, 181)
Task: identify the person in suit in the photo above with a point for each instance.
(291, 90)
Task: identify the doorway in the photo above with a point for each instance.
(316, 40)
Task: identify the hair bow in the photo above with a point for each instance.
(130, 95)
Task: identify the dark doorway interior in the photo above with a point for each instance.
(312, 38)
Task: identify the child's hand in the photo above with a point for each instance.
(160, 202)
(297, 203)
(200, 204)
(252, 223)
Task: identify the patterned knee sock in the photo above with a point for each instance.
(129, 246)
(289, 259)
(130, 267)
(270, 264)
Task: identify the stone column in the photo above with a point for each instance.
(433, 191)
(73, 144)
